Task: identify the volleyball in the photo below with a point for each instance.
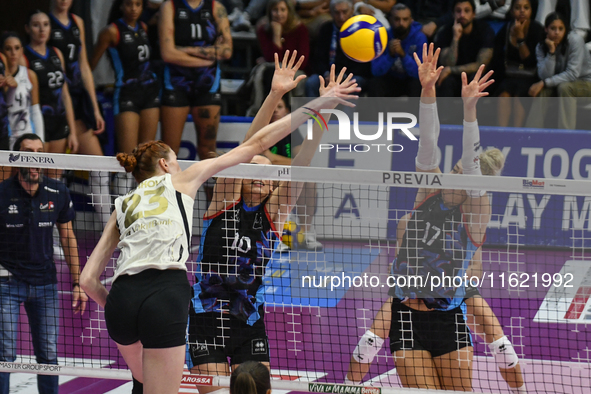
(292, 234)
(363, 38)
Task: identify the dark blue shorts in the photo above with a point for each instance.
(83, 108)
(136, 97)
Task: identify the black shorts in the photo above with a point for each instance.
(210, 343)
(438, 332)
(182, 98)
(151, 307)
(56, 127)
(83, 108)
(136, 98)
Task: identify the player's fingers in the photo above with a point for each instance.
(298, 79)
(464, 80)
(436, 55)
(285, 58)
(299, 63)
(292, 59)
(349, 78)
(276, 56)
(341, 75)
(487, 76)
(486, 85)
(322, 83)
(479, 73)
(332, 72)
(417, 60)
(425, 58)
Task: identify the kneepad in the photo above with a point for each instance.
(369, 345)
(504, 353)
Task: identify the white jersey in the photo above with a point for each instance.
(155, 230)
(19, 110)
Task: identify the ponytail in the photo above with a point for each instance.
(250, 377)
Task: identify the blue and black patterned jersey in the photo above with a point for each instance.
(236, 245)
(436, 242)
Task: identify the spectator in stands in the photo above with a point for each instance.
(432, 14)
(577, 11)
(281, 154)
(564, 67)
(380, 9)
(282, 31)
(465, 45)
(328, 51)
(251, 377)
(30, 205)
(396, 71)
(191, 46)
(514, 61)
(313, 14)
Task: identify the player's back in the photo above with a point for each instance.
(155, 222)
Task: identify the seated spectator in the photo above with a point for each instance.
(432, 14)
(328, 51)
(515, 61)
(577, 11)
(280, 31)
(380, 9)
(492, 9)
(465, 45)
(396, 72)
(313, 13)
(564, 67)
(251, 377)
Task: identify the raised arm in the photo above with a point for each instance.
(191, 179)
(428, 155)
(477, 205)
(285, 196)
(283, 82)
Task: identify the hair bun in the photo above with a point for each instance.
(127, 161)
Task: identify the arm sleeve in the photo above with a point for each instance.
(471, 154)
(428, 155)
(37, 119)
(574, 62)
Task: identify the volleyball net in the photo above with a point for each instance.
(321, 298)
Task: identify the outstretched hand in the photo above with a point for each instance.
(283, 80)
(428, 71)
(472, 91)
(339, 88)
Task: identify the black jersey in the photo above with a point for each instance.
(436, 242)
(50, 75)
(67, 40)
(3, 106)
(193, 27)
(131, 55)
(237, 245)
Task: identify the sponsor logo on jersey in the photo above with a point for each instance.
(206, 15)
(37, 65)
(47, 207)
(76, 31)
(199, 349)
(57, 35)
(20, 225)
(259, 346)
(258, 222)
(12, 209)
(183, 14)
(127, 37)
(45, 224)
(51, 190)
(56, 61)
